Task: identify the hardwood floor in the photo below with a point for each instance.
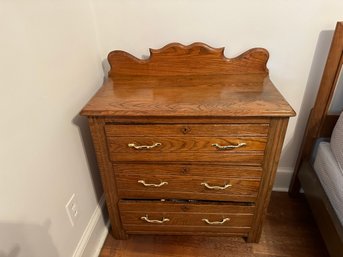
(289, 231)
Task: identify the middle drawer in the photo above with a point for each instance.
(198, 182)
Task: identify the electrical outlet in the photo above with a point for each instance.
(72, 209)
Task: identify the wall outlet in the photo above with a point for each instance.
(72, 209)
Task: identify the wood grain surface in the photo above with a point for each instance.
(254, 158)
(105, 168)
(216, 96)
(195, 59)
(185, 216)
(187, 187)
(179, 144)
(189, 130)
(187, 169)
(270, 164)
(289, 231)
(188, 102)
(162, 85)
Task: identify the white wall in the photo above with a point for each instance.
(289, 29)
(50, 67)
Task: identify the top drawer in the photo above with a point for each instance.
(185, 129)
(232, 143)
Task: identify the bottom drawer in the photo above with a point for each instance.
(185, 217)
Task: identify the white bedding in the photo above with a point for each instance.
(330, 176)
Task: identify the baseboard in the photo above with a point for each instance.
(95, 233)
(283, 179)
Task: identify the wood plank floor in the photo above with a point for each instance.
(289, 231)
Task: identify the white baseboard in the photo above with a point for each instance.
(283, 179)
(95, 233)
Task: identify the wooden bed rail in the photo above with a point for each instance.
(320, 122)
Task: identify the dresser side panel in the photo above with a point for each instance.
(276, 137)
(106, 172)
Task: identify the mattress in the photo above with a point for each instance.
(330, 176)
(337, 141)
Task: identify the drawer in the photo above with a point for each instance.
(254, 130)
(186, 169)
(201, 182)
(139, 216)
(247, 150)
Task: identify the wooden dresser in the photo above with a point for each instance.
(188, 141)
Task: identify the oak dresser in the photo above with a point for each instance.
(188, 141)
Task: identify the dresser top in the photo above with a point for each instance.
(188, 81)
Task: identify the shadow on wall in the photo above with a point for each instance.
(26, 240)
(105, 67)
(312, 86)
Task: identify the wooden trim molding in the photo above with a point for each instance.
(194, 59)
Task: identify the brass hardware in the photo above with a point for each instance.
(216, 222)
(228, 147)
(152, 185)
(138, 147)
(216, 187)
(146, 218)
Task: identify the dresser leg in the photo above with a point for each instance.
(253, 237)
(119, 234)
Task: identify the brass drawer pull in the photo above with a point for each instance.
(228, 147)
(138, 147)
(146, 218)
(216, 222)
(152, 185)
(216, 187)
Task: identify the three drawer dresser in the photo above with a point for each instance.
(188, 141)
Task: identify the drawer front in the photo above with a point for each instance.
(137, 145)
(254, 130)
(235, 149)
(212, 170)
(187, 182)
(183, 217)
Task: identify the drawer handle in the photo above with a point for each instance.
(146, 218)
(152, 185)
(216, 187)
(216, 222)
(228, 147)
(139, 147)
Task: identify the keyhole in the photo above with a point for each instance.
(184, 170)
(186, 130)
(184, 208)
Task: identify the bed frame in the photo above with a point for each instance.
(320, 124)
